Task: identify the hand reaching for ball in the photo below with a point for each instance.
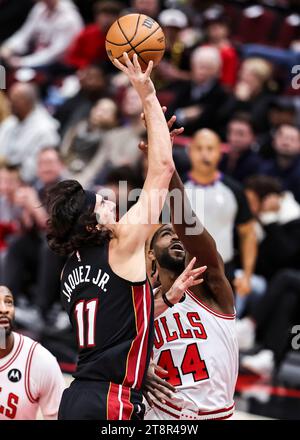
(140, 80)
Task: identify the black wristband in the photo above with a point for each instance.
(166, 301)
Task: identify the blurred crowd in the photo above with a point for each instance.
(230, 74)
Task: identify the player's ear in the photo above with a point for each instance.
(151, 255)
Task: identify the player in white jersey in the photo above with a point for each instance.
(30, 377)
(195, 339)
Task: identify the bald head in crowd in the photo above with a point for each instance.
(206, 64)
(23, 99)
(205, 153)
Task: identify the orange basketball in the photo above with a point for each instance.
(136, 33)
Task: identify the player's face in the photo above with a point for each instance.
(168, 250)
(105, 210)
(7, 310)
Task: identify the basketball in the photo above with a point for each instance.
(136, 33)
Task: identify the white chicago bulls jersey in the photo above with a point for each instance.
(30, 378)
(198, 348)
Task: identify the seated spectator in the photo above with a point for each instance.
(30, 267)
(269, 324)
(147, 7)
(89, 46)
(286, 164)
(175, 65)
(221, 205)
(251, 93)
(82, 141)
(281, 111)
(199, 102)
(242, 159)
(278, 225)
(44, 37)
(9, 214)
(217, 33)
(27, 130)
(120, 147)
(93, 86)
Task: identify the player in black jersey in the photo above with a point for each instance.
(103, 286)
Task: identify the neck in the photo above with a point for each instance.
(8, 346)
(166, 279)
(205, 179)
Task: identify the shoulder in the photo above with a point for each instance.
(232, 184)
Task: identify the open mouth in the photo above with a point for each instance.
(177, 247)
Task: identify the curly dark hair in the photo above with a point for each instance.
(68, 228)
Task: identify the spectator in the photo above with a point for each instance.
(251, 93)
(82, 141)
(27, 130)
(93, 86)
(89, 46)
(30, 266)
(199, 102)
(225, 205)
(175, 65)
(44, 37)
(120, 147)
(270, 324)
(242, 160)
(286, 164)
(217, 33)
(147, 7)
(278, 225)
(9, 214)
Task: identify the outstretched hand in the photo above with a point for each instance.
(140, 80)
(188, 278)
(173, 133)
(157, 387)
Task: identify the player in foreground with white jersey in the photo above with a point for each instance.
(30, 377)
(195, 339)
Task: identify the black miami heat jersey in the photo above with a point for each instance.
(112, 318)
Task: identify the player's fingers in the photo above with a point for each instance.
(164, 108)
(160, 370)
(136, 63)
(190, 265)
(120, 65)
(128, 62)
(148, 398)
(162, 384)
(171, 121)
(149, 69)
(143, 116)
(177, 131)
(198, 270)
(197, 282)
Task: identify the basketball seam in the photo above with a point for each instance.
(151, 50)
(127, 41)
(158, 27)
(132, 48)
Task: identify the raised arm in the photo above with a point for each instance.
(202, 246)
(147, 210)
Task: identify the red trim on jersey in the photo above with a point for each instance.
(128, 406)
(144, 354)
(113, 404)
(119, 406)
(27, 373)
(213, 312)
(166, 411)
(15, 355)
(137, 355)
(200, 413)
